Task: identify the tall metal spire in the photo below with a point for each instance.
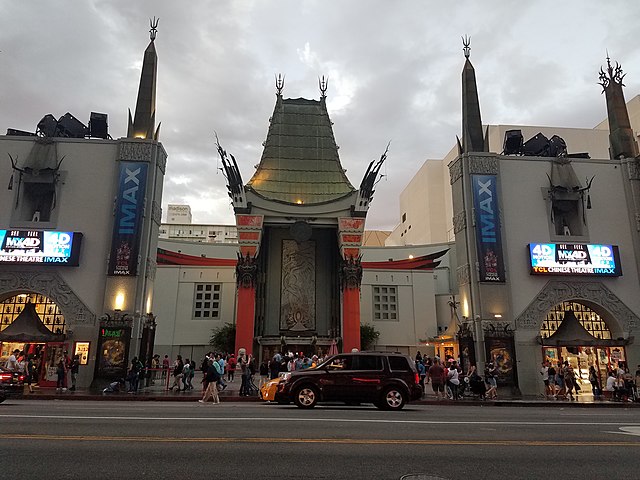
(143, 124)
(472, 136)
(622, 142)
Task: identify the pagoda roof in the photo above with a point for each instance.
(300, 162)
(28, 327)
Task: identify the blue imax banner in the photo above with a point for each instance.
(39, 247)
(574, 259)
(488, 235)
(127, 227)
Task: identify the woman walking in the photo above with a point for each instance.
(178, 366)
(490, 373)
(595, 384)
(211, 381)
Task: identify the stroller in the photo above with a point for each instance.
(477, 386)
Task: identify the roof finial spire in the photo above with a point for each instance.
(323, 83)
(279, 84)
(154, 28)
(466, 48)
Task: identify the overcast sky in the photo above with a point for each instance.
(393, 66)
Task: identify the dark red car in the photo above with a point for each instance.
(11, 384)
(388, 380)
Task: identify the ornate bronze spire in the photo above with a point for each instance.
(143, 124)
(472, 136)
(622, 142)
(279, 84)
(323, 83)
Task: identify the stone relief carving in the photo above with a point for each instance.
(156, 212)
(483, 165)
(463, 274)
(556, 292)
(350, 272)
(459, 221)
(135, 151)
(298, 286)
(455, 171)
(151, 269)
(634, 169)
(51, 285)
(162, 160)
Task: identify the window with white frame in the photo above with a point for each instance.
(206, 300)
(385, 303)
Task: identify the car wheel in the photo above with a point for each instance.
(306, 397)
(393, 398)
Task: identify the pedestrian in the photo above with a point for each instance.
(210, 379)
(75, 368)
(61, 371)
(221, 383)
(133, 376)
(165, 366)
(244, 373)
(155, 366)
(422, 372)
(12, 362)
(436, 376)
(32, 373)
(453, 380)
(231, 367)
(552, 380)
(595, 383)
(178, 365)
(186, 375)
(274, 366)
(264, 373)
(569, 379)
(490, 373)
(544, 371)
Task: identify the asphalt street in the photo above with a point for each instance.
(63, 439)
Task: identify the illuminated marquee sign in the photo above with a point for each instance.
(26, 247)
(574, 259)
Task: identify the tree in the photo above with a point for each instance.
(223, 339)
(368, 336)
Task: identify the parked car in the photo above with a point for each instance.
(388, 380)
(11, 384)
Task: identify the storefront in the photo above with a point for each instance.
(574, 333)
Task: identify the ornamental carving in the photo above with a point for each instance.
(152, 266)
(634, 169)
(162, 160)
(246, 271)
(463, 274)
(351, 272)
(556, 292)
(455, 171)
(135, 151)
(483, 165)
(638, 222)
(51, 285)
(298, 294)
(459, 221)
(156, 212)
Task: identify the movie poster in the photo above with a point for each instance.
(488, 232)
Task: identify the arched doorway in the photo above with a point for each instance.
(574, 332)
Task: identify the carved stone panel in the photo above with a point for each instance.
(162, 160)
(156, 212)
(455, 171)
(556, 292)
(151, 269)
(483, 165)
(51, 285)
(135, 151)
(459, 221)
(634, 169)
(463, 274)
(298, 298)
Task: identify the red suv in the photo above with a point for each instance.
(388, 380)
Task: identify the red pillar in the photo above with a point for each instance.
(246, 310)
(350, 318)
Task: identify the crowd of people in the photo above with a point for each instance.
(562, 382)
(448, 380)
(30, 365)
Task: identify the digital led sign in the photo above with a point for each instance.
(28, 247)
(574, 259)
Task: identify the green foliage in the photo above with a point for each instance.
(223, 339)
(368, 336)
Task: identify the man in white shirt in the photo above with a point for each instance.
(12, 363)
(544, 371)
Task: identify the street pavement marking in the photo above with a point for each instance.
(348, 441)
(542, 424)
(630, 431)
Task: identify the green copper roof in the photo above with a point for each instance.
(300, 162)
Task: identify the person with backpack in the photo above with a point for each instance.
(490, 373)
(178, 366)
(186, 375)
(210, 379)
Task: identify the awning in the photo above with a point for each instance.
(571, 333)
(28, 328)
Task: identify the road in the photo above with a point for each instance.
(74, 439)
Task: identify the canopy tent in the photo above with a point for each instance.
(28, 328)
(571, 333)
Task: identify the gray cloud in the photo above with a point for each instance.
(394, 71)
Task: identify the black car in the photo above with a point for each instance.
(11, 384)
(388, 380)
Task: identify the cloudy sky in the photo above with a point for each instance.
(393, 66)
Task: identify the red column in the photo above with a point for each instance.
(350, 318)
(245, 318)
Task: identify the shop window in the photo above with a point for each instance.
(206, 300)
(590, 320)
(385, 303)
(47, 310)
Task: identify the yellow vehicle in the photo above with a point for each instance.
(268, 389)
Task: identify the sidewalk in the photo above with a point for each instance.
(158, 392)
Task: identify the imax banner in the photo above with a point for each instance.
(488, 235)
(127, 227)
